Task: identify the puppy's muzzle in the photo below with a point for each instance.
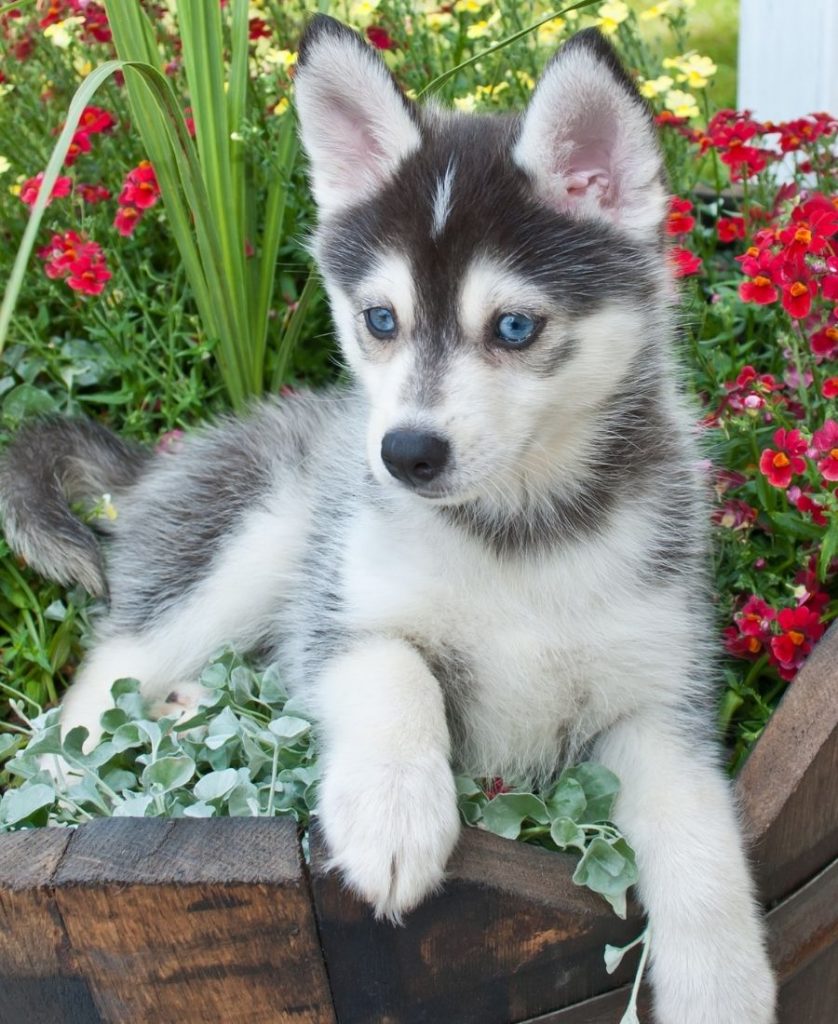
(414, 457)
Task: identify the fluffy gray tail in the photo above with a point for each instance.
(50, 464)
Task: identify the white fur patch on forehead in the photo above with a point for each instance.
(490, 287)
(589, 143)
(389, 283)
(442, 199)
(356, 124)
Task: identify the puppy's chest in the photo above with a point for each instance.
(520, 648)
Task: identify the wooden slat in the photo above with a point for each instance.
(37, 980)
(193, 921)
(510, 937)
(803, 942)
(787, 786)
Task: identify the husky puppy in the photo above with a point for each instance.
(488, 553)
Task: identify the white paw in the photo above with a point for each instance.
(390, 828)
(182, 700)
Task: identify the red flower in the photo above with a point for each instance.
(93, 193)
(88, 274)
(801, 628)
(80, 261)
(126, 219)
(96, 119)
(735, 515)
(825, 342)
(730, 229)
(808, 506)
(779, 466)
(829, 388)
(80, 144)
(684, 262)
(258, 28)
(752, 632)
(29, 189)
(797, 298)
(140, 188)
(825, 442)
(759, 290)
(380, 38)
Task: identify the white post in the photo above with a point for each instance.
(788, 58)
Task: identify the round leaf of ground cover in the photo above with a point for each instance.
(287, 728)
(505, 814)
(216, 785)
(601, 788)
(566, 799)
(26, 805)
(169, 773)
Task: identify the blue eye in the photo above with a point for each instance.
(380, 321)
(515, 328)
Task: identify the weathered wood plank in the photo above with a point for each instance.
(787, 786)
(193, 921)
(510, 937)
(37, 980)
(803, 941)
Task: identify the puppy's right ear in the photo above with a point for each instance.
(356, 123)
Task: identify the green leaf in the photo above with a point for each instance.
(216, 785)
(609, 869)
(169, 773)
(289, 729)
(566, 799)
(564, 832)
(134, 806)
(27, 400)
(505, 813)
(27, 804)
(601, 788)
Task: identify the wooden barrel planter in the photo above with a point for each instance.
(148, 920)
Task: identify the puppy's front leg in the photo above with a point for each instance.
(387, 800)
(708, 961)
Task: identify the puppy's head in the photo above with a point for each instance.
(492, 279)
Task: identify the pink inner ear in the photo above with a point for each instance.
(594, 182)
(587, 173)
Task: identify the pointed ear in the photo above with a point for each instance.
(356, 123)
(589, 142)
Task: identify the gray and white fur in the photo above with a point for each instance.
(522, 581)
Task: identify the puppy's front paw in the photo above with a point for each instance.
(390, 828)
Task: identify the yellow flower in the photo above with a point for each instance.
(438, 20)
(482, 28)
(363, 10)
(655, 86)
(4, 165)
(14, 190)
(695, 69)
(83, 66)
(525, 79)
(656, 10)
(281, 107)
(60, 33)
(550, 32)
(5, 89)
(470, 6)
(682, 104)
(610, 15)
(466, 103)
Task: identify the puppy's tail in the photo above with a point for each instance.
(50, 464)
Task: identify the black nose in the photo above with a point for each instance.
(414, 457)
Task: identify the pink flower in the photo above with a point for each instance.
(29, 189)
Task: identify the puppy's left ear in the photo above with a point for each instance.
(356, 124)
(589, 142)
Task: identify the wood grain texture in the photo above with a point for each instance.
(37, 978)
(787, 787)
(510, 937)
(193, 921)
